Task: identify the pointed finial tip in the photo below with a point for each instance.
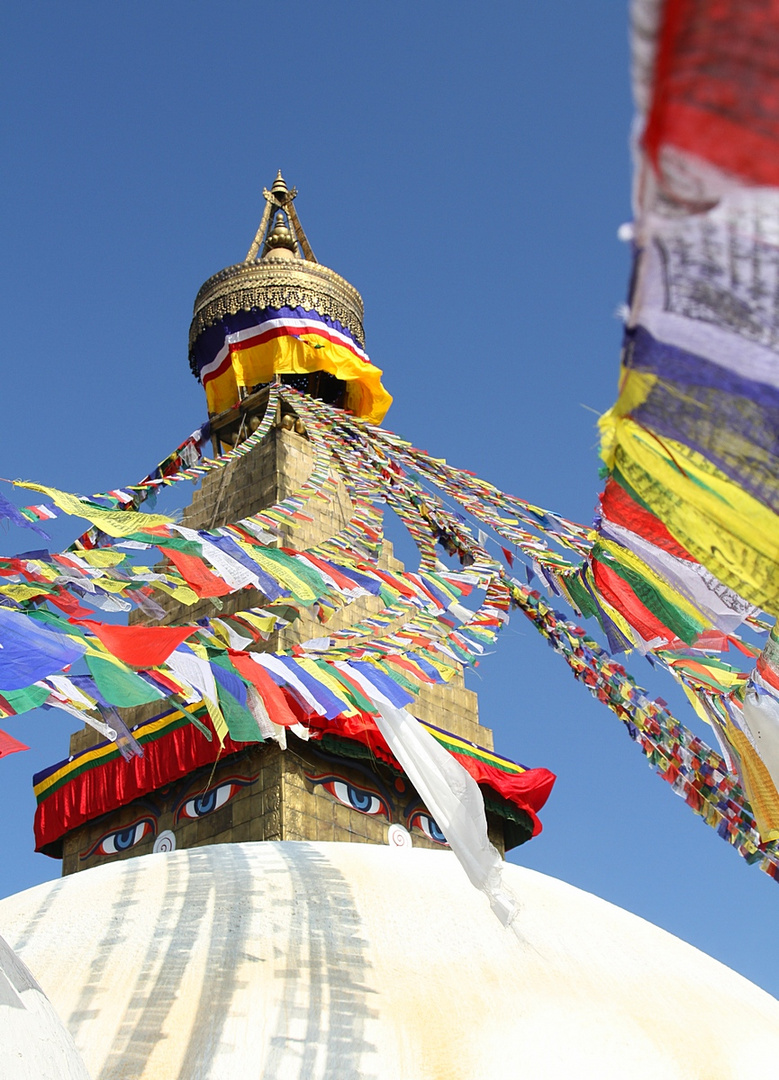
(279, 184)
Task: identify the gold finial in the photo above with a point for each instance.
(280, 269)
(279, 187)
(280, 235)
(280, 197)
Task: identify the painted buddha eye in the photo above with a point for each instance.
(119, 840)
(213, 799)
(422, 820)
(361, 799)
(358, 798)
(207, 802)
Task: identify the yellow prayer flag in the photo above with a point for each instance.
(113, 522)
(102, 557)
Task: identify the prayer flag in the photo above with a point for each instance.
(29, 651)
(139, 646)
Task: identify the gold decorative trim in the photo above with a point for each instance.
(278, 282)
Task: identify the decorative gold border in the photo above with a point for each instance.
(277, 283)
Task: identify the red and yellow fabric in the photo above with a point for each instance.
(249, 348)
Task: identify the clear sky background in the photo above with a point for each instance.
(466, 167)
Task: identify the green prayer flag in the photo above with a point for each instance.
(28, 698)
(119, 685)
(240, 722)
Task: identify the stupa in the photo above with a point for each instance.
(288, 908)
(274, 316)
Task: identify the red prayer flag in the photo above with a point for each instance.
(621, 509)
(197, 576)
(139, 646)
(716, 86)
(273, 696)
(10, 745)
(621, 596)
(67, 603)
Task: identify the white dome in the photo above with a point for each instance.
(33, 1043)
(339, 961)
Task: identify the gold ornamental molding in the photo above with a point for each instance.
(278, 281)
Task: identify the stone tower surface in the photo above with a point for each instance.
(295, 789)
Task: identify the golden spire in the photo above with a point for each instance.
(279, 270)
(280, 226)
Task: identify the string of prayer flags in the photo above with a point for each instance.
(421, 632)
(753, 730)
(696, 772)
(689, 521)
(112, 522)
(9, 512)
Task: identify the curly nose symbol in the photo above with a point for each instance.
(166, 841)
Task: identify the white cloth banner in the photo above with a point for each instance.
(453, 798)
(685, 293)
(103, 729)
(194, 672)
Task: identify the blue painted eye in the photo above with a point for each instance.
(208, 802)
(204, 804)
(119, 840)
(421, 820)
(366, 802)
(363, 800)
(126, 839)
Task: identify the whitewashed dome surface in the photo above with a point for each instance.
(33, 1043)
(299, 960)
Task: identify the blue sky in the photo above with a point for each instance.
(467, 173)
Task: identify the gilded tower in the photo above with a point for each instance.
(279, 317)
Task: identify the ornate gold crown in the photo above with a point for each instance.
(286, 274)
